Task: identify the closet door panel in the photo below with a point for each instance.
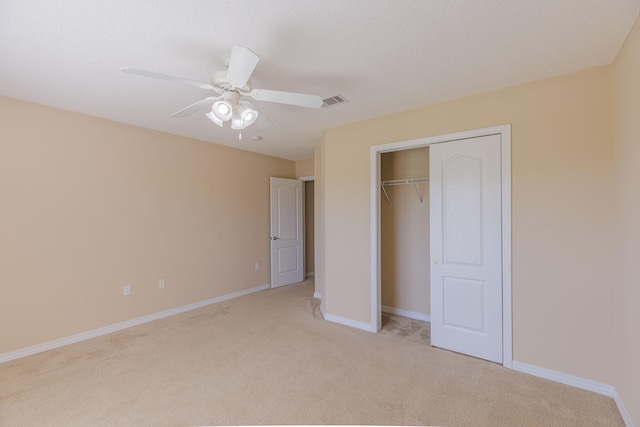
(466, 246)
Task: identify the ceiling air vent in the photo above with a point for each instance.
(333, 100)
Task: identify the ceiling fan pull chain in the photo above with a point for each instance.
(241, 127)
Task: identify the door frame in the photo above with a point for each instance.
(305, 179)
(376, 287)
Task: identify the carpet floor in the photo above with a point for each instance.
(270, 358)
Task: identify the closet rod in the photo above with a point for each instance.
(404, 181)
(412, 181)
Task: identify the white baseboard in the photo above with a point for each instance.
(317, 295)
(623, 411)
(349, 322)
(50, 345)
(406, 313)
(589, 385)
(567, 379)
(312, 274)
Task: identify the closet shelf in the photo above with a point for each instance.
(412, 181)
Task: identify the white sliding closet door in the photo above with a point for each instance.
(466, 246)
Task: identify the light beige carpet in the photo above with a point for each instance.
(269, 358)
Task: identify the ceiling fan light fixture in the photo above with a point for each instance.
(243, 117)
(247, 115)
(223, 110)
(214, 119)
(236, 122)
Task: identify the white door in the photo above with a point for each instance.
(466, 246)
(287, 198)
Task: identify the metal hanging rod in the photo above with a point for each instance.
(404, 181)
(412, 181)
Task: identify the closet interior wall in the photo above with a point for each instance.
(405, 234)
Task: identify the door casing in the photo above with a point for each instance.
(376, 289)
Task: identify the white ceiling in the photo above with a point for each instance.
(385, 56)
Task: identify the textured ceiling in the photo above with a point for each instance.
(384, 56)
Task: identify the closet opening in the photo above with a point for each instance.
(309, 227)
(404, 243)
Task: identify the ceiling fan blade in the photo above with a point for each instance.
(262, 122)
(168, 78)
(195, 107)
(241, 64)
(291, 98)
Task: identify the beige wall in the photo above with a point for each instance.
(304, 168)
(562, 240)
(405, 232)
(90, 205)
(626, 106)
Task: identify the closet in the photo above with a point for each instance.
(404, 211)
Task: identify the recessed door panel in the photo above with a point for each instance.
(462, 216)
(287, 212)
(288, 259)
(463, 304)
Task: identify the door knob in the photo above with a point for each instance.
(435, 261)
(275, 238)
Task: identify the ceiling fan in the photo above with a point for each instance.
(231, 89)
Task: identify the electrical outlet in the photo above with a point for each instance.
(257, 266)
(127, 290)
(161, 284)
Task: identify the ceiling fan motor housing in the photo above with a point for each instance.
(221, 81)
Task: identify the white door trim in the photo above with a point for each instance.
(376, 301)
